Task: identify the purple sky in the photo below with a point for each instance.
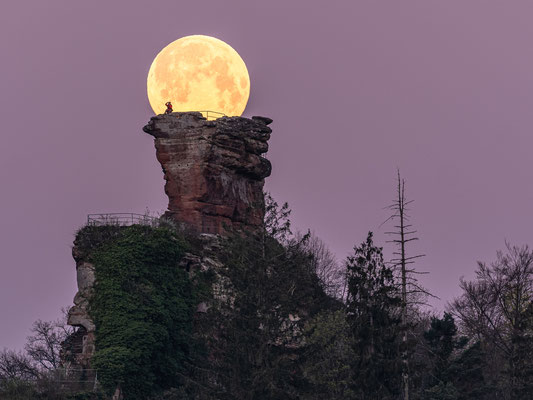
(441, 89)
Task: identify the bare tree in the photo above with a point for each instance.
(35, 372)
(44, 345)
(497, 308)
(411, 291)
(16, 366)
(324, 264)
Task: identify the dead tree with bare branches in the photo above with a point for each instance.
(412, 294)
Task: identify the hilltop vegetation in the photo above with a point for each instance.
(282, 320)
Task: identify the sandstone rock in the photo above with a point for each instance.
(85, 276)
(78, 315)
(214, 170)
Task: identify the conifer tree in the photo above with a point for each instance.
(373, 313)
(328, 357)
(456, 363)
(441, 341)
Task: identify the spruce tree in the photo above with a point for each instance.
(373, 307)
(441, 341)
(456, 363)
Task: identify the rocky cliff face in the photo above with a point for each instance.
(78, 314)
(214, 176)
(214, 170)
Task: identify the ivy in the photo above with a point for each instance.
(142, 306)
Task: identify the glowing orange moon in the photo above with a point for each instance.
(199, 73)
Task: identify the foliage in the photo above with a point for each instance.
(282, 321)
(373, 312)
(277, 221)
(142, 308)
(264, 295)
(466, 372)
(91, 237)
(441, 341)
(329, 356)
(270, 290)
(17, 389)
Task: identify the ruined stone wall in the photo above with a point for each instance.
(214, 170)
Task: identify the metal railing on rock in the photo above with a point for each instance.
(122, 219)
(212, 115)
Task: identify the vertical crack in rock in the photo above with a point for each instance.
(214, 170)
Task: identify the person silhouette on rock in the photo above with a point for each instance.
(169, 107)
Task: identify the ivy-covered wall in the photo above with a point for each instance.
(143, 306)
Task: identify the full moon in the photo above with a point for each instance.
(199, 73)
